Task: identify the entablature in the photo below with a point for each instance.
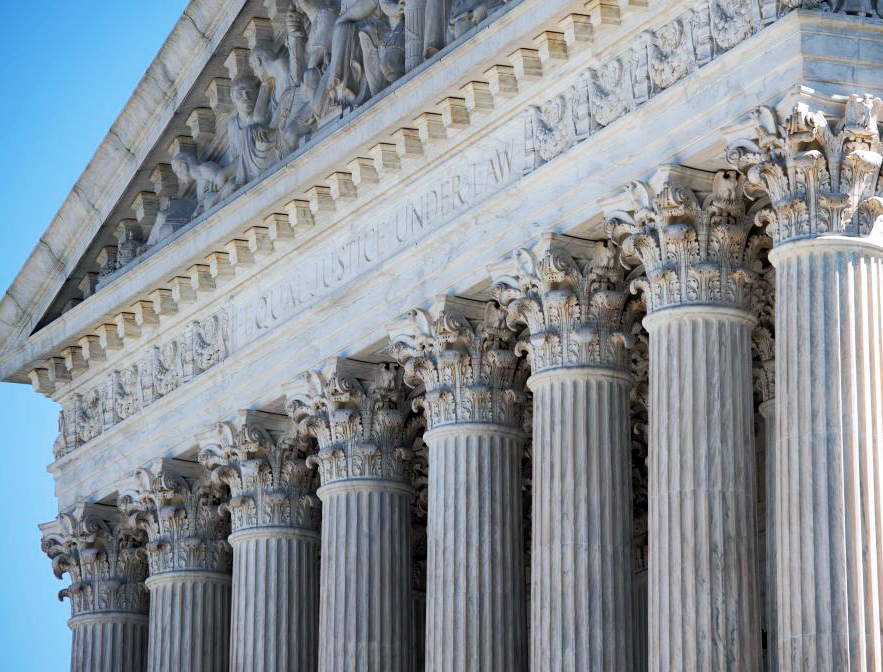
(284, 315)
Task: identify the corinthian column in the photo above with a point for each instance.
(355, 412)
(822, 181)
(462, 354)
(189, 560)
(107, 566)
(275, 543)
(571, 296)
(703, 566)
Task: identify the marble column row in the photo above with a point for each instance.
(245, 591)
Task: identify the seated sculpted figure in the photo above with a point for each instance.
(207, 177)
(283, 105)
(468, 13)
(348, 81)
(310, 50)
(252, 141)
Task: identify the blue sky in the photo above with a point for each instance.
(67, 70)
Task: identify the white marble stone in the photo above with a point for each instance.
(461, 353)
(706, 614)
(108, 642)
(823, 221)
(189, 561)
(358, 416)
(292, 177)
(275, 543)
(572, 296)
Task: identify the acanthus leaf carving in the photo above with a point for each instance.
(571, 295)
(468, 367)
(691, 253)
(269, 480)
(819, 179)
(179, 509)
(104, 557)
(357, 414)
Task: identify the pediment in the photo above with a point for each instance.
(239, 88)
(212, 164)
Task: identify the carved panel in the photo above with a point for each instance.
(156, 372)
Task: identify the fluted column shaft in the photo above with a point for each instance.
(768, 411)
(365, 605)
(189, 622)
(275, 598)
(829, 353)
(582, 566)
(475, 580)
(702, 582)
(108, 642)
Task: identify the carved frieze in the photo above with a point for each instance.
(656, 61)
(104, 557)
(158, 371)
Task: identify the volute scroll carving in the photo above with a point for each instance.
(691, 251)
(468, 367)
(179, 509)
(270, 482)
(104, 557)
(821, 178)
(571, 295)
(359, 417)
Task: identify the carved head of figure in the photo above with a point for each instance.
(181, 167)
(262, 59)
(245, 95)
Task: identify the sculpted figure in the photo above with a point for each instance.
(468, 13)
(438, 13)
(252, 141)
(376, 59)
(382, 39)
(310, 25)
(208, 179)
(282, 105)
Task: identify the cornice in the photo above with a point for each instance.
(144, 118)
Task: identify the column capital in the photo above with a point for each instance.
(104, 557)
(179, 508)
(358, 414)
(263, 465)
(572, 296)
(819, 174)
(462, 354)
(693, 250)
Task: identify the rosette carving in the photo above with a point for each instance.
(104, 557)
(357, 414)
(269, 480)
(466, 366)
(179, 509)
(691, 253)
(571, 295)
(819, 178)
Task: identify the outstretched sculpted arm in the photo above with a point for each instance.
(392, 8)
(358, 11)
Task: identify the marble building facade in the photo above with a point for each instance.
(474, 336)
